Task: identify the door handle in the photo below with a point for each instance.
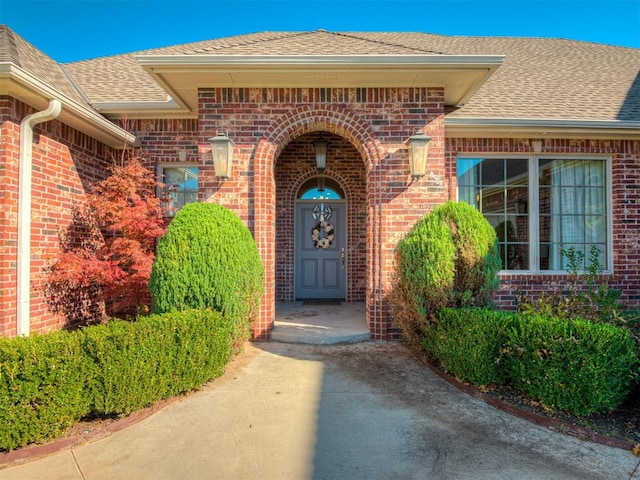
(342, 257)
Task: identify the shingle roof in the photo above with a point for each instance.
(545, 78)
(539, 79)
(14, 49)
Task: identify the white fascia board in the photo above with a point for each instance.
(468, 61)
(168, 109)
(541, 127)
(113, 135)
(550, 122)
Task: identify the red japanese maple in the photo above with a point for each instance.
(110, 248)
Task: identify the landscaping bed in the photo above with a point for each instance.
(619, 428)
(621, 425)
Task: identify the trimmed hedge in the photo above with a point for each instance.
(42, 387)
(469, 342)
(49, 382)
(573, 365)
(207, 259)
(576, 366)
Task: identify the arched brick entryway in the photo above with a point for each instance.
(294, 124)
(295, 167)
(376, 122)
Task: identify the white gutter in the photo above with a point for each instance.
(540, 123)
(546, 127)
(317, 60)
(24, 211)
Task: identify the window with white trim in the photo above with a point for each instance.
(180, 186)
(540, 205)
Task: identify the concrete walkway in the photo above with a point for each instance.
(358, 411)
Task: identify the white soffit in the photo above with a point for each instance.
(182, 75)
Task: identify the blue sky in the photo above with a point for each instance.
(70, 30)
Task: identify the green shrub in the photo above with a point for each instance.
(587, 296)
(49, 382)
(137, 364)
(42, 393)
(468, 342)
(573, 365)
(477, 255)
(126, 375)
(426, 265)
(449, 258)
(207, 259)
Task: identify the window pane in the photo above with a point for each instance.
(326, 193)
(493, 172)
(181, 185)
(572, 209)
(321, 187)
(517, 257)
(595, 202)
(493, 200)
(469, 194)
(518, 170)
(469, 171)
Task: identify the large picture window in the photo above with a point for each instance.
(180, 184)
(539, 206)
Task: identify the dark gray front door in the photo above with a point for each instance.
(320, 267)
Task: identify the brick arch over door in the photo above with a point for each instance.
(295, 166)
(281, 132)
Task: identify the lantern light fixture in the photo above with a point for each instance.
(418, 153)
(320, 148)
(222, 151)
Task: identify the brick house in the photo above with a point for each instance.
(541, 135)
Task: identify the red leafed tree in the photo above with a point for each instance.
(107, 253)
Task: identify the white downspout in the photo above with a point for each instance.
(24, 211)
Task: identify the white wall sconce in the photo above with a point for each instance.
(320, 147)
(222, 151)
(418, 153)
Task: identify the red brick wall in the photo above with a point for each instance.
(65, 163)
(9, 152)
(625, 167)
(375, 121)
(163, 139)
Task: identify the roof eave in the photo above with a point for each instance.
(22, 85)
(541, 128)
(142, 110)
(181, 75)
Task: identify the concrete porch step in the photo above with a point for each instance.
(320, 324)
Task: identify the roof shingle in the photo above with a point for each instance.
(16, 50)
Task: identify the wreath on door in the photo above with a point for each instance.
(322, 235)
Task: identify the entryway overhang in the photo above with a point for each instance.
(182, 75)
